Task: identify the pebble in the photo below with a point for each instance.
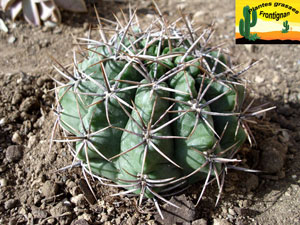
(252, 182)
(41, 80)
(199, 222)
(173, 215)
(14, 153)
(3, 168)
(32, 141)
(17, 98)
(276, 79)
(79, 222)
(87, 217)
(273, 155)
(259, 79)
(11, 39)
(3, 121)
(285, 110)
(281, 174)
(38, 213)
(285, 137)
(16, 138)
(3, 182)
(3, 27)
(59, 209)
(231, 212)
(49, 189)
(78, 200)
(11, 203)
(13, 221)
(221, 222)
(29, 104)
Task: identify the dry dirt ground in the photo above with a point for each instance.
(32, 191)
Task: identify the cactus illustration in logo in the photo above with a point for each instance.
(286, 27)
(245, 24)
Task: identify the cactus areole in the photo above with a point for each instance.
(246, 23)
(152, 110)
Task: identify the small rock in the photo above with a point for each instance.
(252, 182)
(11, 39)
(17, 98)
(3, 27)
(104, 217)
(86, 217)
(3, 121)
(51, 221)
(249, 48)
(281, 174)
(32, 141)
(273, 155)
(199, 14)
(3, 182)
(240, 211)
(185, 214)
(30, 103)
(11, 203)
(38, 213)
(13, 221)
(259, 79)
(79, 222)
(16, 138)
(49, 189)
(199, 222)
(86, 26)
(2, 168)
(285, 136)
(70, 184)
(221, 222)
(59, 209)
(78, 200)
(276, 79)
(14, 153)
(41, 80)
(132, 220)
(57, 30)
(285, 110)
(231, 212)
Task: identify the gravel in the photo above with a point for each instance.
(14, 153)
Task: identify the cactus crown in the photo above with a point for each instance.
(152, 110)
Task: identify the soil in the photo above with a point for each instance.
(33, 189)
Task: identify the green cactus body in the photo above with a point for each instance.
(286, 27)
(202, 138)
(245, 24)
(144, 101)
(152, 117)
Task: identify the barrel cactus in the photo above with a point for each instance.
(152, 110)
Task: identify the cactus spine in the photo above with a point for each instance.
(286, 27)
(245, 23)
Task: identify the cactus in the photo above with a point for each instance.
(152, 110)
(286, 27)
(245, 24)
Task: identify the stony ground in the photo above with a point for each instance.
(33, 191)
